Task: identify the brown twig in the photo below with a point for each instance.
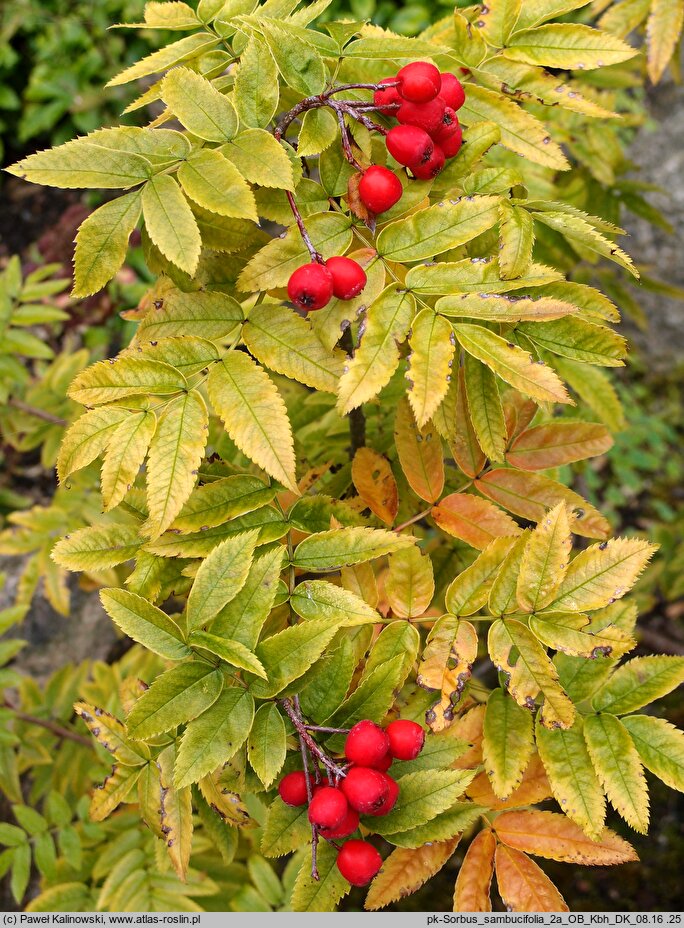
(300, 726)
(35, 412)
(56, 729)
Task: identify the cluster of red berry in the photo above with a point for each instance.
(367, 788)
(424, 102)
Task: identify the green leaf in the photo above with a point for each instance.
(484, 406)
(387, 324)
(319, 130)
(11, 835)
(175, 697)
(660, 746)
(102, 243)
(502, 594)
(214, 503)
(82, 163)
(212, 181)
(242, 619)
(475, 278)
(287, 829)
(575, 228)
(176, 451)
(638, 683)
(220, 578)
(260, 159)
(299, 63)
(209, 313)
(289, 654)
(97, 547)
(232, 652)
(468, 592)
(398, 639)
(569, 46)
(454, 821)
(170, 223)
(344, 547)
(256, 88)
(125, 455)
(322, 895)
(578, 340)
(144, 623)
(266, 746)
(213, 737)
(571, 633)
(254, 415)
(184, 49)
(286, 343)
(571, 774)
(87, 438)
(221, 835)
(618, 767)
(409, 583)
(437, 229)
(318, 599)
(108, 381)
(21, 871)
(422, 796)
(512, 364)
(371, 699)
(516, 239)
(507, 743)
(324, 687)
(197, 104)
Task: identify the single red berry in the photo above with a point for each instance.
(448, 127)
(349, 278)
(385, 763)
(431, 168)
(452, 91)
(392, 796)
(347, 826)
(380, 189)
(406, 739)
(452, 145)
(420, 82)
(358, 862)
(365, 789)
(409, 145)
(328, 807)
(427, 116)
(366, 744)
(310, 286)
(385, 98)
(292, 788)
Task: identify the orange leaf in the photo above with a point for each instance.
(523, 886)
(470, 727)
(533, 788)
(375, 484)
(471, 893)
(550, 834)
(519, 411)
(558, 443)
(405, 871)
(420, 454)
(473, 519)
(530, 495)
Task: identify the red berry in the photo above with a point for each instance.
(449, 126)
(349, 278)
(328, 807)
(431, 168)
(292, 788)
(366, 744)
(409, 145)
(392, 796)
(358, 862)
(452, 91)
(365, 789)
(384, 98)
(406, 739)
(385, 763)
(420, 82)
(452, 145)
(310, 286)
(380, 189)
(427, 116)
(347, 826)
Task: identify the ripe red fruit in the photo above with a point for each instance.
(380, 189)
(349, 278)
(292, 788)
(448, 127)
(328, 807)
(365, 789)
(420, 82)
(409, 145)
(384, 98)
(392, 796)
(406, 739)
(310, 286)
(430, 168)
(452, 91)
(358, 862)
(385, 763)
(427, 116)
(347, 826)
(452, 145)
(366, 744)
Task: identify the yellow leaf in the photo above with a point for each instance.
(471, 893)
(86, 439)
(375, 484)
(170, 223)
(473, 519)
(113, 791)
(254, 415)
(409, 584)
(544, 560)
(176, 814)
(450, 652)
(507, 744)
(420, 453)
(523, 886)
(199, 106)
(534, 788)
(663, 31)
(432, 348)
(552, 835)
(125, 455)
(405, 871)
